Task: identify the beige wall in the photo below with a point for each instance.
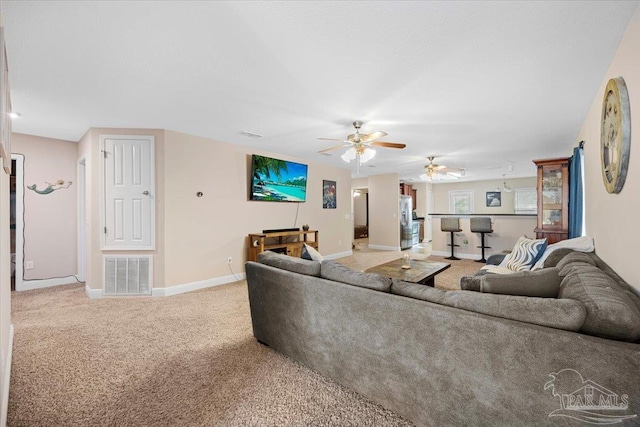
(49, 219)
(612, 218)
(202, 232)
(384, 206)
(422, 198)
(86, 153)
(479, 188)
(360, 183)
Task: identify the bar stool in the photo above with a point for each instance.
(481, 225)
(451, 225)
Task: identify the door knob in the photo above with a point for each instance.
(145, 192)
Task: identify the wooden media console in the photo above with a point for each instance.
(286, 242)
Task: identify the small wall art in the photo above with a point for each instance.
(51, 187)
(328, 194)
(494, 199)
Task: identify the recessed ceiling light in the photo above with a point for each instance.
(15, 115)
(250, 134)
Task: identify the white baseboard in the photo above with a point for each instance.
(194, 286)
(28, 285)
(177, 289)
(93, 293)
(385, 248)
(462, 256)
(6, 375)
(338, 255)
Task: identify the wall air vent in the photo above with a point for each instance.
(250, 134)
(127, 275)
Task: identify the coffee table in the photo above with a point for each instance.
(422, 272)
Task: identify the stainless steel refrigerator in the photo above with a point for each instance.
(408, 229)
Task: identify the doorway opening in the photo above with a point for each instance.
(360, 218)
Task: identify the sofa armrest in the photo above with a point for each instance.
(470, 283)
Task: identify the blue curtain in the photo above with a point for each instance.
(576, 215)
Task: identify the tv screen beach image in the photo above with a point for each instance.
(278, 180)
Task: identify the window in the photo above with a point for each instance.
(525, 201)
(461, 202)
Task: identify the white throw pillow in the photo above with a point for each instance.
(524, 254)
(310, 253)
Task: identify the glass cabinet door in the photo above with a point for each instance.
(552, 181)
(553, 199)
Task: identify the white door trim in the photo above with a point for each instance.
(152, 190)
(19, 158)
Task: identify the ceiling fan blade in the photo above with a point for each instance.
(388, 144)
(331, 139)
(373, 136)
(334, 148)
(451, 173)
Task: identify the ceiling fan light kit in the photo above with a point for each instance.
(360, 145)
(435, 172)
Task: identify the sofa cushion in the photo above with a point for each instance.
(554, 313)
(286, 262)
(335, 271)
(310, 253)
(525, 253)
(543, 283)
(579, 258)
(611, 311)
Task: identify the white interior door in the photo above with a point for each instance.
(129, 214)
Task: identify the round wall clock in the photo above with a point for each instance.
(615, 135)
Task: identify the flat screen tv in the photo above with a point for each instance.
(277, 180)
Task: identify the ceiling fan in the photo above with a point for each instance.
(436, 172)
(360, 145)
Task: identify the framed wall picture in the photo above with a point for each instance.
(328, 194)
(494, 199)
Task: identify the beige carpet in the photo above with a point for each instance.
(186, 360)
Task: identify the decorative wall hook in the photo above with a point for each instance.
(51, 187)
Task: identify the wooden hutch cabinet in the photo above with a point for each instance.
(553, 199)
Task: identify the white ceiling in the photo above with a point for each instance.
(480, 85)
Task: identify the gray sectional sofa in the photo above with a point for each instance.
(459, 357)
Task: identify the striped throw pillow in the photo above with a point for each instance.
(525, 253)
